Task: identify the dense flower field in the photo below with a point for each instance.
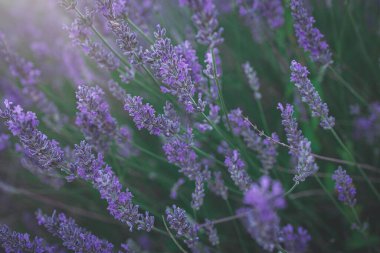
(189, 126)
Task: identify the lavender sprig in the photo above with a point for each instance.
(14, 242)
(310, 96)
(176, 217)
(299, 145)
(294, 241)
(74, 238)
(94, 170)
(205, 19)
(236, 168)
(253, 81)
(44, 154)
(344, 187)
(309, 37)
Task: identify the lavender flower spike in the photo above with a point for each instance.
(344, 187)
(310, 96)
(264, 199)
(253, 81)
(294, 241)
(183, 227)
(172, 69)
(309, 37)
(120, 205)
(74, 237)
(94, 118)
(236, 167)
(12, 241)
(299, 146)
(45, 155)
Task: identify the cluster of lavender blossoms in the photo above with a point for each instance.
(261, 221)
(40, 155)
(344, 187)
(262, 16)
(205, 19)
(300, 149)
(299, 76)
(253, 81)
(294, 241)
(74, 238)
(93, 169)
(12, 241)
(266, 148)
(171, 68)
(309, 37)
(184, 228)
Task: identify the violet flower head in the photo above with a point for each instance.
(45, 155)
(262, 222)
(192, 61)
(310, 96)
(253, 81)
(12, 241)
(172, 69)
(344, 187)
(74, 238)
(266, 148)
(308, 36)
(184, 228)
(237, 170)
(94, 118)
(205, 20)
(144, 116)
(295, 241)
(120, 206)
(211, 232)
(198, 194)
(300, 147)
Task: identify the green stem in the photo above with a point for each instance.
(262, 115)
(171, 236)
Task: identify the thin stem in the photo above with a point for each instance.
(291, 189)
(131, 23)
(348, 86)
(171, 236)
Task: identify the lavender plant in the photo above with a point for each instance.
(153, 125)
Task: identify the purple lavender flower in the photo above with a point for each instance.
(253, 81)
(236, 168)
(310, 96)
(144, 116)
(120, 205)
(205, 19)
(266, 148)
(344, 187)
(265, 198)
(79, 33)
(12, 241)
(176, 217)
(211, 232)
(172, 69)
(116, 90)
(309, 37)
(217, 185)
(198, 194)
(74, 238)
(175, 187)
(294, 241)
(94, 118)
(44, 154)
(299, 145)
(191, 58)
